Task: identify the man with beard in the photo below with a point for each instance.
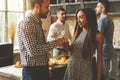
(106, 26)
(34, 50)
(59, 29)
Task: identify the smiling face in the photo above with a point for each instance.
(81, 18)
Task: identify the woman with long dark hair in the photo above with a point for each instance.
(85, 42)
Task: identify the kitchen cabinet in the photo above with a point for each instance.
(72, 7)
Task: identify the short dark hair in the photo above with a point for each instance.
(60, 9)
(106, 4)
(33, 2)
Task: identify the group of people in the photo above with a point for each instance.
(90, 37)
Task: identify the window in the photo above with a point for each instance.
(11, 12)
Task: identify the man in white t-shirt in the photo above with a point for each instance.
(59, 29)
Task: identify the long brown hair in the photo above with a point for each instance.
(89, 45)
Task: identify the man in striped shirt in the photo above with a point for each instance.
(34, 51)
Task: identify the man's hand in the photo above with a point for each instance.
(59, 42)
(66, 45)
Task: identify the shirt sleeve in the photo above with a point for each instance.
(52, 33)
(101, 26)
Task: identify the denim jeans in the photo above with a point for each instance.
(35, 73)
(106, 68)
(57, 52)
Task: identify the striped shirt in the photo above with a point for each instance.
(34, 51)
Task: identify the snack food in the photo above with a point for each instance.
(18, 64)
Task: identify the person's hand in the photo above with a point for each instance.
(51, 64)
(66, 45)
(59, 42)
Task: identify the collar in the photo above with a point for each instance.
(60, 22)
(35, 19)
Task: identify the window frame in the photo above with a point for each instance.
(5, 29)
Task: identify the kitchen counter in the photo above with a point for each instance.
(56, 72)
(12, 72)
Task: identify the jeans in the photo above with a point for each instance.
(35, 73)
(57, 52)
(106, 68)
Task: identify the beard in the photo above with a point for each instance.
(98, 13)
(43, 15)
(63, 19)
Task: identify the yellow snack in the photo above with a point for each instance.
(63, 60)
(18, 64)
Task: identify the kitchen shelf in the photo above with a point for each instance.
(53, 8)
(72, 7)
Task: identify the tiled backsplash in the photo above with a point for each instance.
(116, 38)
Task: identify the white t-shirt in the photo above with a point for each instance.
(58, 30)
